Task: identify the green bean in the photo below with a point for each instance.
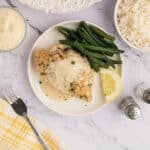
(93, 43)
(101, 33)
(86, 36)
(68, 33)
(98, 63)
(85, 26)
(64, 29)
(103, 49)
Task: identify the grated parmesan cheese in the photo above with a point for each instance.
(59, 6)
(133, 19)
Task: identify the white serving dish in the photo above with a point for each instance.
(118, 30)
(75, 106)
(1, 50)
(59, 6)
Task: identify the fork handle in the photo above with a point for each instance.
(38, 135)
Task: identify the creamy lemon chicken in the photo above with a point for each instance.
(64, 73)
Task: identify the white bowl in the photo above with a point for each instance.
(19, 44)
(75, 106)
(120, 34)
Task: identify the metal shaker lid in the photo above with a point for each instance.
(146, 96)
(130, 108)
(133, 112)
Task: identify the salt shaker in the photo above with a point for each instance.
(130, 108)
(143, 92)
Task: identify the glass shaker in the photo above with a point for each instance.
(143, 92)
(130, 108)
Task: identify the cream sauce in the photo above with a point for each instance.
(12, 28)
(50, 91)
(63, 72)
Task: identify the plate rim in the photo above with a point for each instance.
(32, 87)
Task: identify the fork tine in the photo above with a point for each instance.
(11, 91)
(8, 98)
(11, 98)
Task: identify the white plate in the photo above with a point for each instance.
(59, 6)
(74, 106)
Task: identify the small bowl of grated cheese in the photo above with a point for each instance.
(12, 28)
(132, 21)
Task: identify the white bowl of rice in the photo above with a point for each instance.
(132, 21)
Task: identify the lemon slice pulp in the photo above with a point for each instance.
(111, 83)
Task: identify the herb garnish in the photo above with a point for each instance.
(43, 73)
(73, 62)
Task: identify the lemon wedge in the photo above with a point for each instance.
(111, 83)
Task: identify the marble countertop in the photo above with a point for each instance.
(104, 130)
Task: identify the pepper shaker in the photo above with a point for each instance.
(143, 92)
(130, 108)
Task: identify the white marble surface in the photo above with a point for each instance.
(108, 128)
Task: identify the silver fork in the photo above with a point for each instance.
(21, 109)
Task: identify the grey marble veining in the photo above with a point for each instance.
(108, 128)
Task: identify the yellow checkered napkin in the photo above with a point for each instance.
(16, 134)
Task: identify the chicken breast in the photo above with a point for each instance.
(66, 71)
